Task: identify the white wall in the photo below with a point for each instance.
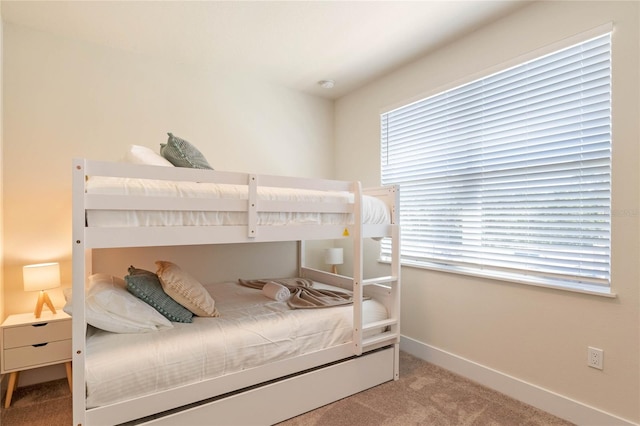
(537, 335)
(66, 98)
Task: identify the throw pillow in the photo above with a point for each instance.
(186, 290)
(183, 154)
(146, 286)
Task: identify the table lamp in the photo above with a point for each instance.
(40, 277)
(333, 257)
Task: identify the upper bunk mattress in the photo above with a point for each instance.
(252, 330)
(374, 210)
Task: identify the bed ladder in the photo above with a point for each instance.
(386, 286)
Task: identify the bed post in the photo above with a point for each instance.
(252, 206)
(80, 259)
(358, 266)
(396, 269)
(301, 256)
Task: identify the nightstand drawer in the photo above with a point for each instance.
(32, 334)
(32, 356)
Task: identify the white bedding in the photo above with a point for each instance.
(374, 210)
(252, 330)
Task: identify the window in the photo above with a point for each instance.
(509, 176)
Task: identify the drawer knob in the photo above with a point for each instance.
(40, 345)
(39, 325)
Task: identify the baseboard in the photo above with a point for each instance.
(551, 402)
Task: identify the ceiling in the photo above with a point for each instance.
(292, 43)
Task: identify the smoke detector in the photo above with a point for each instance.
(327, 84)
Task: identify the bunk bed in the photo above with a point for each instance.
(119, 205)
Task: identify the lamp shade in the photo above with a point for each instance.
(42, 276)
(333, 256)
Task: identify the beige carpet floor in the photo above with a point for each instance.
(44, 404)
(424, 395)
(427, 395)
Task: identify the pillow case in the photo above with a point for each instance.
(98, 278)
(183, 154)
(142, 155)
(186, 290)
(109, 306)
(146, 286)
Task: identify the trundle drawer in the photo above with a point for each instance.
(38, 355)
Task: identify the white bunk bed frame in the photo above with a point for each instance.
(266, 394)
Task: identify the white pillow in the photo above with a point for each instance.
(109, 306)
(142, 155)
(98, 278)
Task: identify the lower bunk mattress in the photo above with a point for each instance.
(252, 330)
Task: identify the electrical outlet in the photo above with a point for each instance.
(595, 358)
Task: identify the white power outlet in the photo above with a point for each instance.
(595, 358)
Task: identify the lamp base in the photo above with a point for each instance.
(43, 298)
(334, 269)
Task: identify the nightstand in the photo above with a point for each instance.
(30, 342)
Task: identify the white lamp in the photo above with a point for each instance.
(333, 257)
(40, 277)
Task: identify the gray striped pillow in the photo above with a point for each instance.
(181, 153)
(146, 286)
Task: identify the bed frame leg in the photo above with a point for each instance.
(396, 362)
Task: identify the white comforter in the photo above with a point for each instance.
(252, 330)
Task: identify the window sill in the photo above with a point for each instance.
(592, 290)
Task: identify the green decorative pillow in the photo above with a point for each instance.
(181, 153)
(147, 287)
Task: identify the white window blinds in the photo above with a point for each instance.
(510, 175)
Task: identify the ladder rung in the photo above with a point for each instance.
(379, 280)
(387, 336)
(379, 324)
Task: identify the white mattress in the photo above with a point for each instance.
(374, 210)
(252, 330)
